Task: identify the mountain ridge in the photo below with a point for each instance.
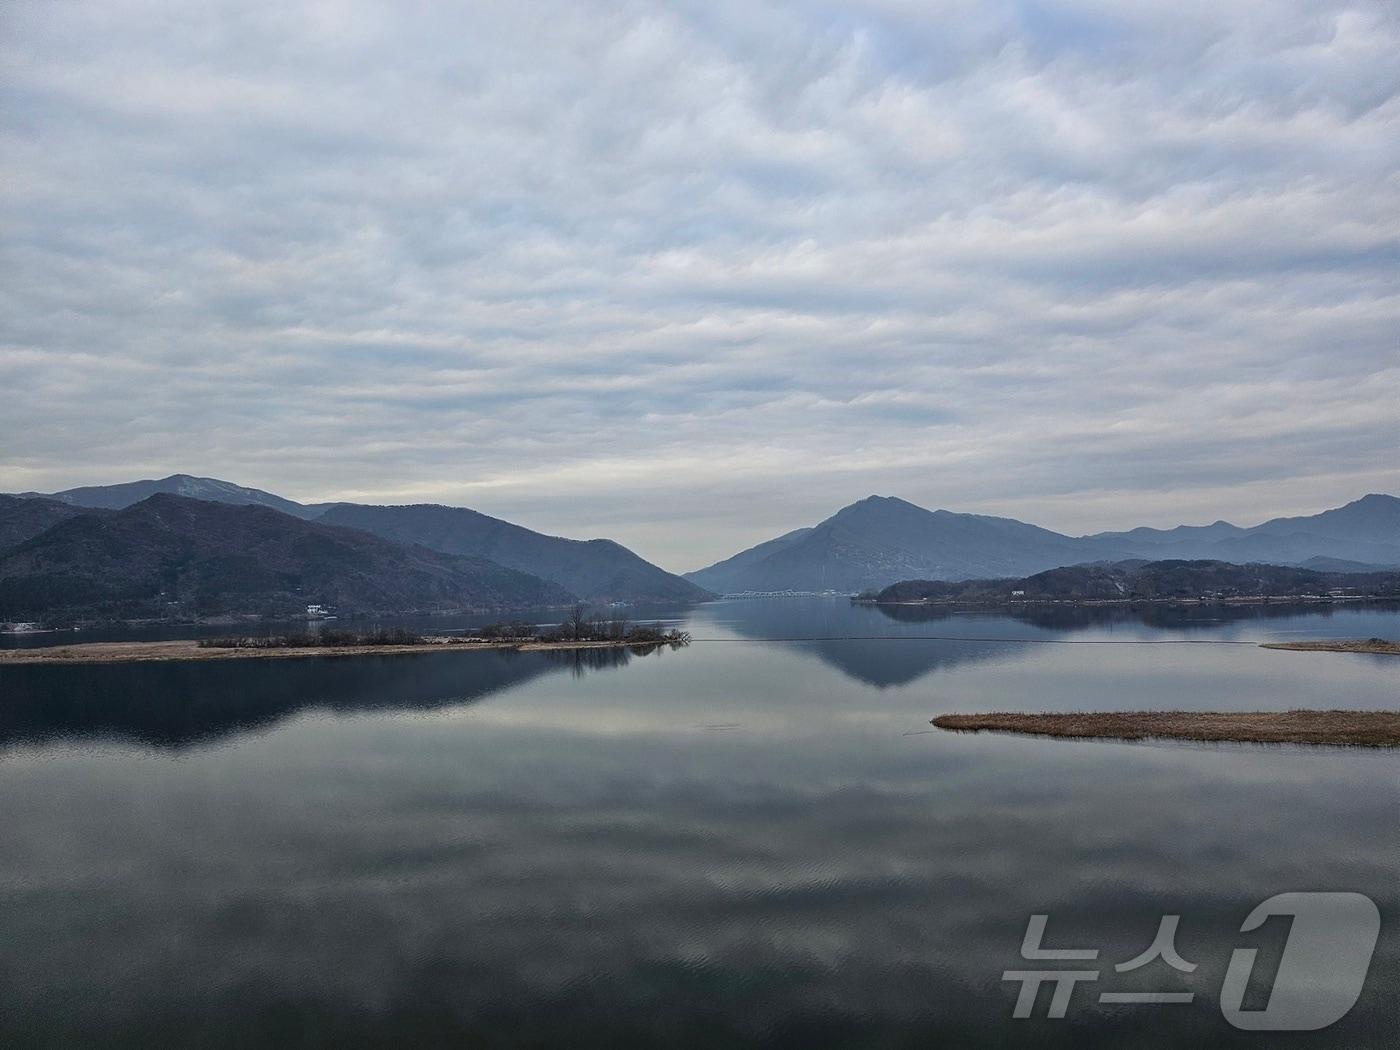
(124, 494)
(880, 540)
(870, 543)
(172, 553)
(599, 570)
(596, 569)
(22, 518)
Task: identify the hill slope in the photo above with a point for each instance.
(882, 539)
(598, 570)
(22, 518)
(733, 574)
(1149, 580)
(120, 496)
(212, 558)
(1365, 531)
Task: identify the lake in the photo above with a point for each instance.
(758, 840)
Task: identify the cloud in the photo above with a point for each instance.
(689, 275)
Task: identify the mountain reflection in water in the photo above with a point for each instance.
(183, 703)
(895, 645)
(739, 843)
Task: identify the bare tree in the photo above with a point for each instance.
(576, 625)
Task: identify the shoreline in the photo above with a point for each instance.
(1006, 603)
(1372, 729)
(190, 649)
(1377, 646)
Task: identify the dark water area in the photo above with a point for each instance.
(757, 840)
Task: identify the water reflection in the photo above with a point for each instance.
(575, 859)
(178, 704)
(1069, 618)
(862, 646)
(895, 645)
(580, 662)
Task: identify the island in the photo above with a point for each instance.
(1169, 581)
(1335, 727)
(1379, 646)
(378, 643)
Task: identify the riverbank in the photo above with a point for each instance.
(1340, 728)
(138, 652)
(1369, 645)
(1042, 600)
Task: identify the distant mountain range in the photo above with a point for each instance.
(1365, 532)
(124, 494)
(1149, 580)
(81, 547)
(592, 570)
(197, 558)
(882, 540)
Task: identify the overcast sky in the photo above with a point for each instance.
(693, 274)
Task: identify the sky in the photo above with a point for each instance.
(690, 275)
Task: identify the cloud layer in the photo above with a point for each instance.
(690, 274)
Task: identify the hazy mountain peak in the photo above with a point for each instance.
(881, 539)
(1375, 501)
(884, 539)
(878, 505)
(211, 490)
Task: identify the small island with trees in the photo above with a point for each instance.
(1137, 581)
(579, 630)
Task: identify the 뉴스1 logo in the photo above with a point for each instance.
(1319, 978)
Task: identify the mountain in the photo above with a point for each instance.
(1149, 580)
(597, 570)
(1324, 564)
(170, 553)
(869, 544)
(1374, 518)
(882, 539)
(729, 576)
(1366, 530)
(117, 497)
(23, 518)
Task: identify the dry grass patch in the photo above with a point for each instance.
(1368, 645)
(1346, 728)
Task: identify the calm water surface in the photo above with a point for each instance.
(758, 840)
